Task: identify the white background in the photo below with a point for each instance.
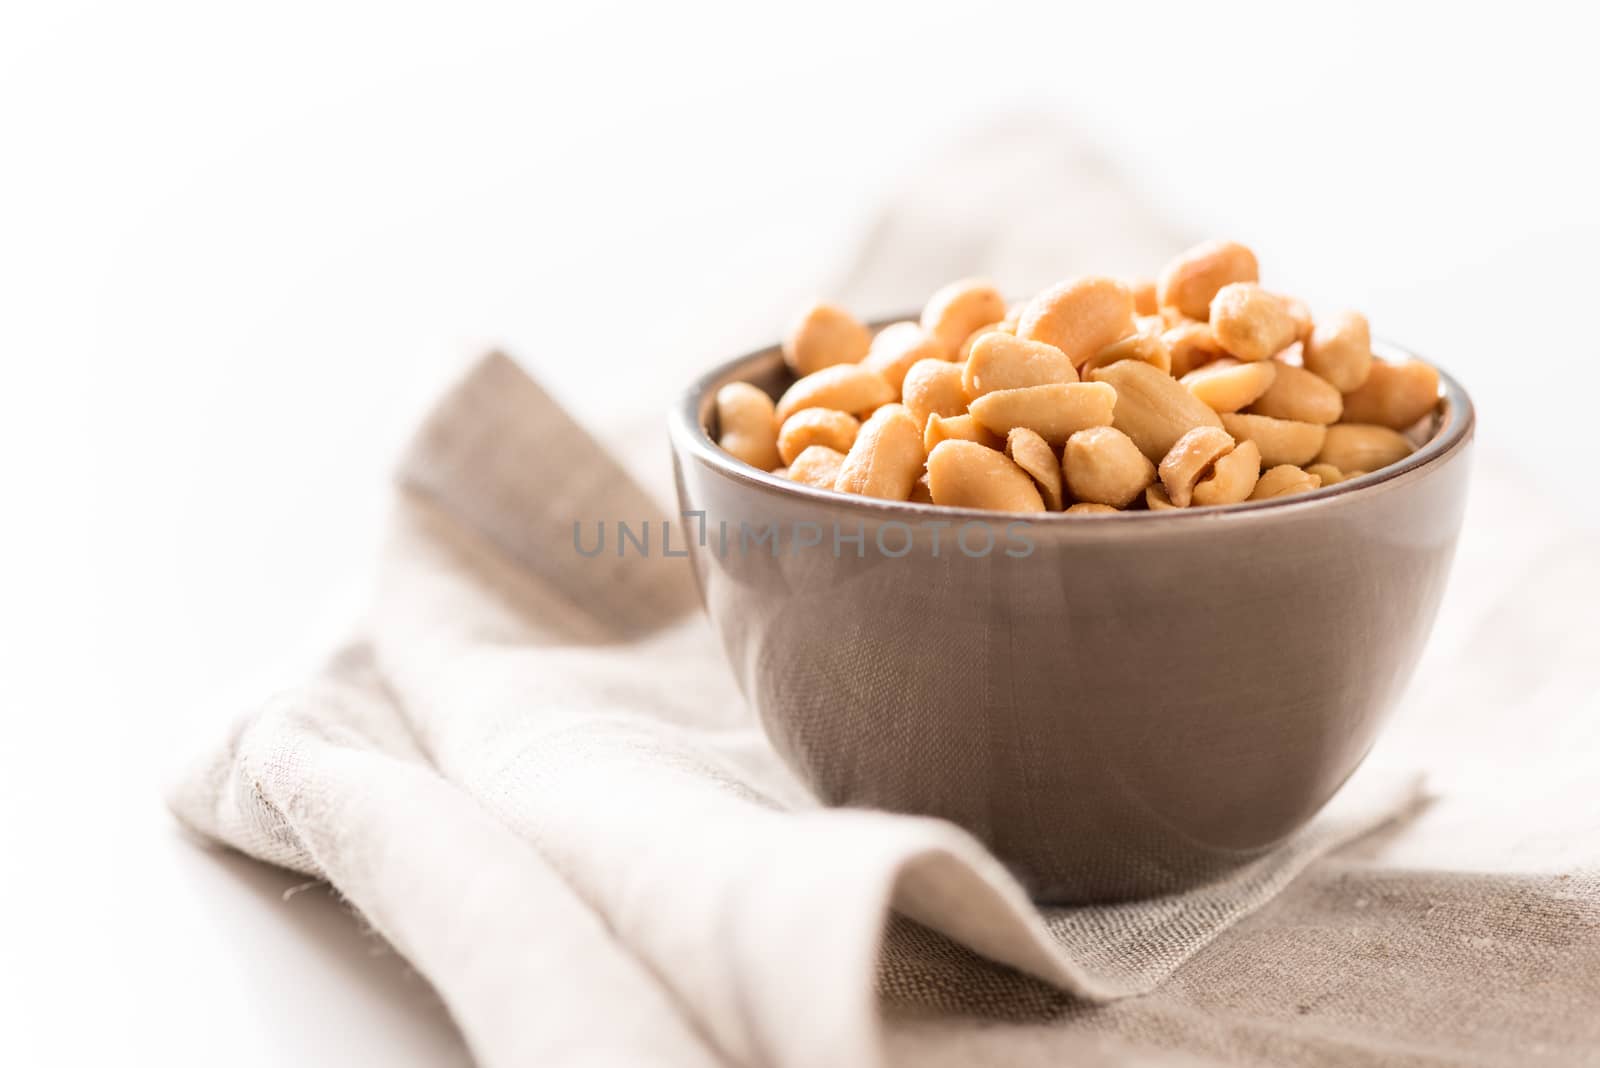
(240, 247)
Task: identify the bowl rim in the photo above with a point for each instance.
(689, 435)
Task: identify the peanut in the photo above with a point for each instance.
(817, 466)
(1190, 458)
(1232, 477)
(896, 347)
(1362, 447)
(1189, 282)
(1330, 475)
(824, 335)
(1283, 481)
(1151, 407)
(1281, 441)
(846, 387)
(1090, 508)
(1226, 385)
(1299, 395)
(886, 457)
(748, 425)
(963, 474)
(1001, 361)
(1033, 454)
(1054, 412)
(933, 387)
(1102, 465)
(1301, 315)
(1145, 301)
(956, 310)
(972, 338)
(1394, 395)
(1144, 345)
(921, 490)
(1191, 345)
(1080, 316)
(1156, 499)
(816, 426)
(1340, 350)
(1251, 323)
(957, 428)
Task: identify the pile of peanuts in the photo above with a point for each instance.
(1097, 395)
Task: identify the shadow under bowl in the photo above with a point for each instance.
(1118, 706)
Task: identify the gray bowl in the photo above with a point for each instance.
(1118, 705)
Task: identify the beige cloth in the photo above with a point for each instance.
(529, 771)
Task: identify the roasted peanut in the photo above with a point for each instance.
(1190, 458)
(748, 425)
(921, 490)
(963, 474)
(1190, 345)
(1226, 385)
(956, 310)
(1340, 350)
(816, 426)
(1156, 499)
(825, 334)
(847, 387)
(1281, 441)
(1251, 323)
(1102, 465)
(1145, 301)
(1151, 407)
(1301, 315)
(972, 338)
(1144, 345)
(1080, 316)
(1394, 395)
(933, 387)
(1282, 481)
(896, 347)
(1232, 477)
(1362, 447)
(886, 457)
(1299, 395)
(1330, 475)
(1090, 508)
(1001, 361)
(957, 428)
(1189, 282)
(1033, 454)
(817, 466)
(1054, 412)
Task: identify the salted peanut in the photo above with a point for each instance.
(848, 387)
(957, 428)
(1394, 395)
(1156, 499)
(816, 426)
(921, 490)
(1090, 508)
(1281, 441)
(817, 466)
(1144, 345)
(1330, 475)
(1283, 481)
(1339, 349)
(1152, 408)
(747, 425)
(1189, 282)
(1190, 345)
(1232, 477)
(896, 347)
(956, 310)
(1362, 447)
(1191, 458)
(933, 387)
(1298, 394)
(1054, 412)
(825, 334)
(1301, 314)
(1251, 323)
(1226, 385)
(1033, 454)
(973, 338)
(1080, 316)
(1145, 301)
(963, 474)
(886, 457)
(1102, 465)
(1001, 361)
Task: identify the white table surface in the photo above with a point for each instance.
(238, 255)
